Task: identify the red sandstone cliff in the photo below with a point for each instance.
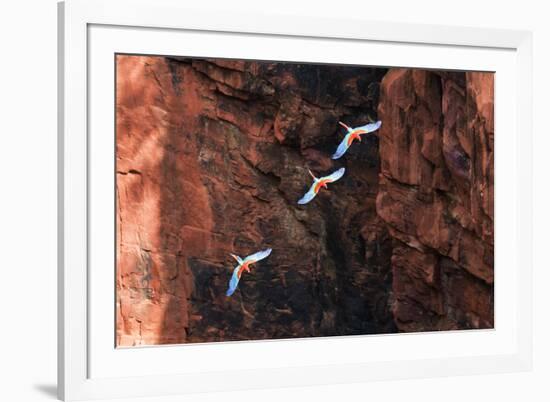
(212, 156)
(436, 195)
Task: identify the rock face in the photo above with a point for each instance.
(436, 196)
(212, 156)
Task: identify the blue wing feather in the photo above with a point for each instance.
(342, 148)
(369, 128)
(308, 196)
(335, 175)
(233, 282)
(260, 255)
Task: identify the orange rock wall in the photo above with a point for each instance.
(436, 196)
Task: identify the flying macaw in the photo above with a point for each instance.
(320, 182)
(354, 133)
(244, 265)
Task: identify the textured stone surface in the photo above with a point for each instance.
(211, 159)
(212, 156)
(436, 196)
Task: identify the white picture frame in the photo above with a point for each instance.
(90, 367)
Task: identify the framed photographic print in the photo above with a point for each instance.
(248, 197)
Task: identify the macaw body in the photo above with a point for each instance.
(319, 183)
(352, 135)
(244, 265)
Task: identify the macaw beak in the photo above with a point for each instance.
(325, 185)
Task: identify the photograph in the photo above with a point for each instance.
(268, 200)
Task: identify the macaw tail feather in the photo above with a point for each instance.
(236, 257)
(348, 128)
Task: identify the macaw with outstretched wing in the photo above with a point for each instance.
(318, 183)
(244, 265)
(354, 134)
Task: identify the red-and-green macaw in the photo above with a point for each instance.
(318, 183)
(244, 265)
(354, 134)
